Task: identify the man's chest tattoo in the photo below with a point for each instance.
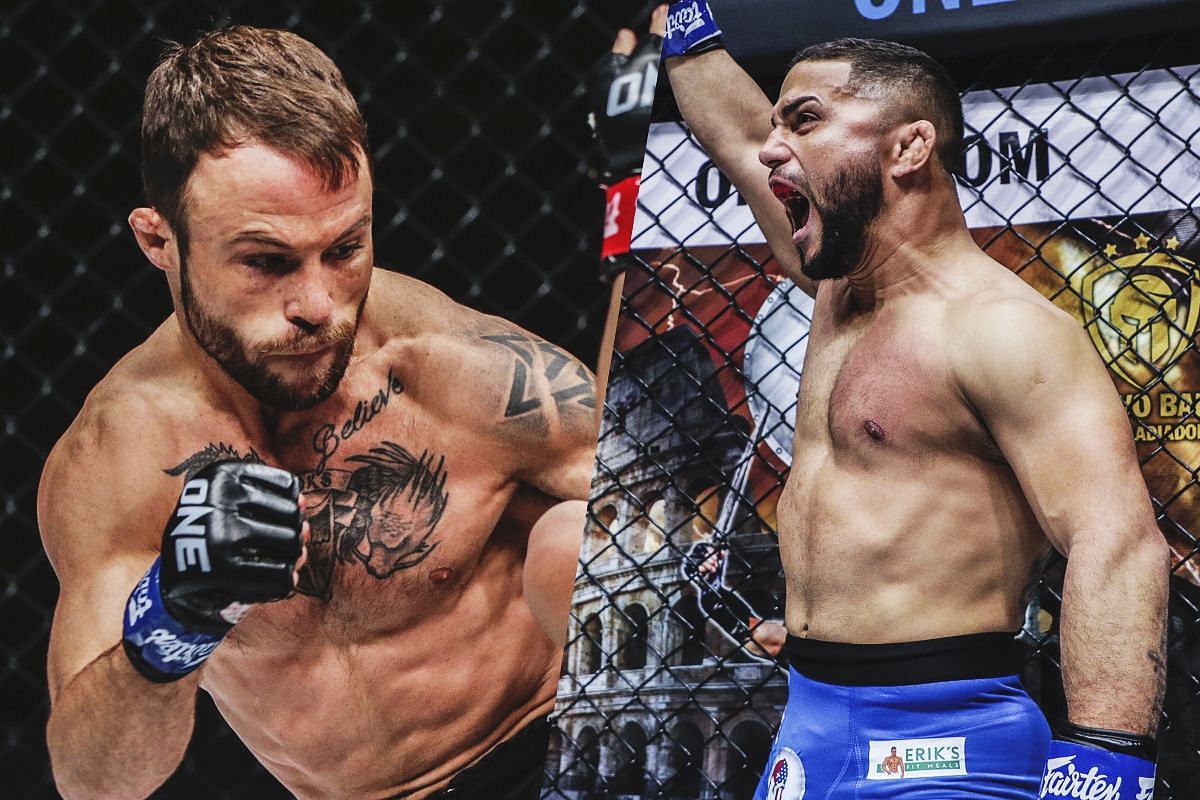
(380, 510)
(329, 437)
(211, 454)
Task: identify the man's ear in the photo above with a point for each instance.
(916, 145)
(156, 238)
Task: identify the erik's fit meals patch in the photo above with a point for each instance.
(917, 758)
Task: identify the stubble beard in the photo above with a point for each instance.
(851, 204)
(231, 353)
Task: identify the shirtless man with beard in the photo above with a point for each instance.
(382, 609)
(952, 426)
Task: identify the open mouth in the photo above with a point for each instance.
(306, 356)
(797, 206)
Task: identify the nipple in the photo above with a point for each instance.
(441, 574)
(874, 430)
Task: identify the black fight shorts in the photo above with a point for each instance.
(512, 770)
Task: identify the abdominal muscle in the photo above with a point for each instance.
(336, 713)
(894, 549)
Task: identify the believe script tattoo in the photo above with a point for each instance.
(380, 510)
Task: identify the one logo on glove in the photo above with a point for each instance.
(632, 91)
(191, 550)
(1063, 780)
(786, 779)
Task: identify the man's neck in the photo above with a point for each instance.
(907, 250)
(222, 393)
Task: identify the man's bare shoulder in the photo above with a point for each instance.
(1007, 335)
(1003, 307)
(512, 386)
(403, 307)
(423, 330)
(107, 465)
(431, 333)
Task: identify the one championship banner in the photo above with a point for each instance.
(1096, 147)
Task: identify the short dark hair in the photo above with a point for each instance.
(918, 86)
(242, 84)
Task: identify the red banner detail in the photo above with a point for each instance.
(619, 211)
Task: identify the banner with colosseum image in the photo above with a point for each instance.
(1085, 189)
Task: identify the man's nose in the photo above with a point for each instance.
(773, 152)
(310, 305)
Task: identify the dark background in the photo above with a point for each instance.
(477, 121)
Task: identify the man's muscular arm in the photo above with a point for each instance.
(543, 408)
(111, 732)
(731, 117)
(551, 561)
(233, 538)
(1050, 404)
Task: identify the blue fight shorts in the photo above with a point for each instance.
(943, 719)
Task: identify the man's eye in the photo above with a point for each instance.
(268, 262)
(345, 251)
(803, 117)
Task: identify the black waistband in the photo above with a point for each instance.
(512, 770)
(953, 658)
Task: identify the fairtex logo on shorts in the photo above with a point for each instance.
(917, 758)
(786, 780)
(1061, 779)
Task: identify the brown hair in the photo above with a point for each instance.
(241, 84)
(916, 85)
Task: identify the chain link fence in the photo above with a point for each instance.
(477, 122)
(1079, 172)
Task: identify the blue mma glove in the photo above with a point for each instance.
(1099, 763)
(691, 29)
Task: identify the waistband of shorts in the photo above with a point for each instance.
(952, 658)
(513, 766)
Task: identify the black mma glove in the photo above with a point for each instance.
(233, 540)
(729, 610)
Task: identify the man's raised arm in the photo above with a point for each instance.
(729, 115)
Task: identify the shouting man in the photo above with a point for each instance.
(339, 487)
(952, 426)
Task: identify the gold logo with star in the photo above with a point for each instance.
(1141, 309)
